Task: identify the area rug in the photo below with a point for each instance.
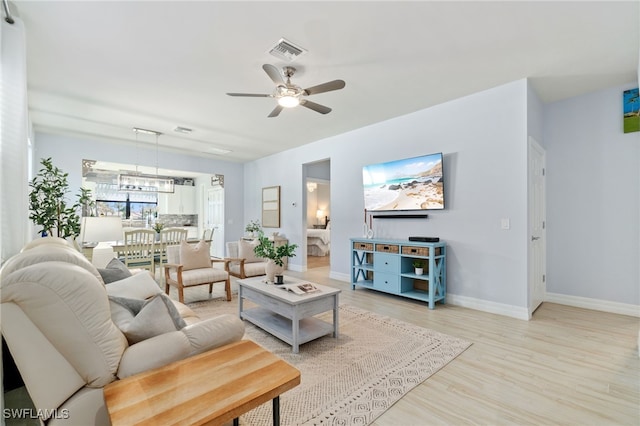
(351, 380)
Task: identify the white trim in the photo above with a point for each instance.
(595, 304)
(512, 311)
(340, 277)
(297, 268)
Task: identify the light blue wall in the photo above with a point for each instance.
(483, 138)
(67, 153)
(593, 199)
(593, 190)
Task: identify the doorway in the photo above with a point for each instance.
(317, 220)
(214, 219)
(537, 225)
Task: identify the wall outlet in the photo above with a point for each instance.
(505, 223)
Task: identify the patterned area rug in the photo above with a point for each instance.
(354, 379)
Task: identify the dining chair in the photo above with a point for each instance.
(169, 237)
(139, 249)
(207, 235)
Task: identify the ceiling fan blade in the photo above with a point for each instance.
(316, 107)
(274, 74)
(325, 87)
(276, 111)
(251, 95)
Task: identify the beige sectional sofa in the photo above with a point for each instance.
(57, 318)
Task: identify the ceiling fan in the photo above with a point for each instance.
(290, 95)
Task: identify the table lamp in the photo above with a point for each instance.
(103, 231)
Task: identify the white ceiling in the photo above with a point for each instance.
(99, 68)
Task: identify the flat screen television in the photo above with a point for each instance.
(404, 185)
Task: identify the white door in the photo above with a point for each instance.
(537, 225)
(214, 219)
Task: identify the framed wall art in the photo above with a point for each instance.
(271, 207)
(631, 111)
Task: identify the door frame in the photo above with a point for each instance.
(536, 231)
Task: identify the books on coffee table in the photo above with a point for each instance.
(301, 288)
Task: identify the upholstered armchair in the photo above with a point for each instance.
(242, 262)
(191, 265)
(59, 321)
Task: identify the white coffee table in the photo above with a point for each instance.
(285, 315)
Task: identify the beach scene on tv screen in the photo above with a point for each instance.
(409, 184)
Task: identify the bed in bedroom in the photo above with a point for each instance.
(318, 242)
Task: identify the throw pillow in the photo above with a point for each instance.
(245, 251)
(114, 271)
(137, 286)
(142, 319)
(194, 256)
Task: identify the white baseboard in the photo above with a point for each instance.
(595, 304)
(488, 306)
(297, 268)
(340, 277)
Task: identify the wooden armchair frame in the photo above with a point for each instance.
(178, 283)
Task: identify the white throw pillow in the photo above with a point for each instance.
(194, 256)
(137, 286)
(245, 251)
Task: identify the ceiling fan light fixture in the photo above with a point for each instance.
(289, 101)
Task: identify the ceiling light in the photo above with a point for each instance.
(146, 183)
(146, 132)
(289, 101)
(181, 129)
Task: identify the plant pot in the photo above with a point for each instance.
(419, 271)
(271, 269)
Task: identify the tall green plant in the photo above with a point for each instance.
(48, 204)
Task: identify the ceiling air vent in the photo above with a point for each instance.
(286, 50)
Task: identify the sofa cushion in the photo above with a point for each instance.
(245, 251)
(138, 286)
(194, 256)
(141, 319)
(52, 249)
(114, 271)
(199, 276)
(68, 305)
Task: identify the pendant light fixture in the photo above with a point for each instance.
(144, 182)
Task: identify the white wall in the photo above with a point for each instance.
(483, 138)
(593, 193)
(67, 153)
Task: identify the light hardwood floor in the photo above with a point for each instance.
(567, 366)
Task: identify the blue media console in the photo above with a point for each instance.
(387, 265)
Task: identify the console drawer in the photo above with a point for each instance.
(389, 283)
(387, 248)
(386, 263)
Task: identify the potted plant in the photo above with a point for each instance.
(158, 227)
(418, 264)
(253, 228)
(276, 255)
(49, 205)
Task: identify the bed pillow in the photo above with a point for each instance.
(142, 319)
(114, 271)
(245, 251)
(194, 256)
